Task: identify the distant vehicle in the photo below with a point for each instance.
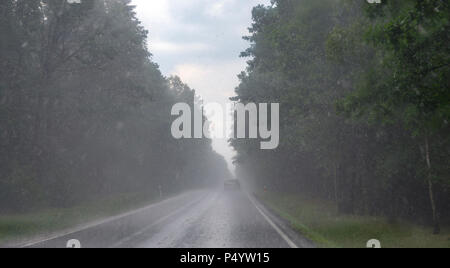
(231, 185)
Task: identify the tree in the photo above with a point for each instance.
(354, 108)
(412, 83)
(85, 112)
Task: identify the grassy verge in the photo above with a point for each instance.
(319, 222)
(15, 228)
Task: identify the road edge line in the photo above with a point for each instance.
(95, 223)
(274, 226)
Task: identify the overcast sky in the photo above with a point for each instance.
(200, 41)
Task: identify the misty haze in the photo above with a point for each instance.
(224, 125)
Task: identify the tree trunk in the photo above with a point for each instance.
(336, 194)
(436, 224)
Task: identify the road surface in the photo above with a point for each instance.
(199, 219)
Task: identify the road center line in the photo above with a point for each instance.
(161, 220)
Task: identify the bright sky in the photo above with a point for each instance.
(200, 41)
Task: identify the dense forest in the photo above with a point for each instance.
(364, 91)
(85, 112)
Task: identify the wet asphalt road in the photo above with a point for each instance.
(200, 219)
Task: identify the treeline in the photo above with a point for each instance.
(84, 112)
(365, 104)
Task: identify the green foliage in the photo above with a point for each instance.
(361, 88)
(84, 111)
(415, 49)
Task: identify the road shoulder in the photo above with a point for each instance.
(284, 225)
(32, 240)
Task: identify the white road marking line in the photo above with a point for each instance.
(98, 223)
(140, 232)
(274, 226)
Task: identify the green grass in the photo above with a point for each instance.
(16, 228)
(319, 222)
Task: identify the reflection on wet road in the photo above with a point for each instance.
(200, 219)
